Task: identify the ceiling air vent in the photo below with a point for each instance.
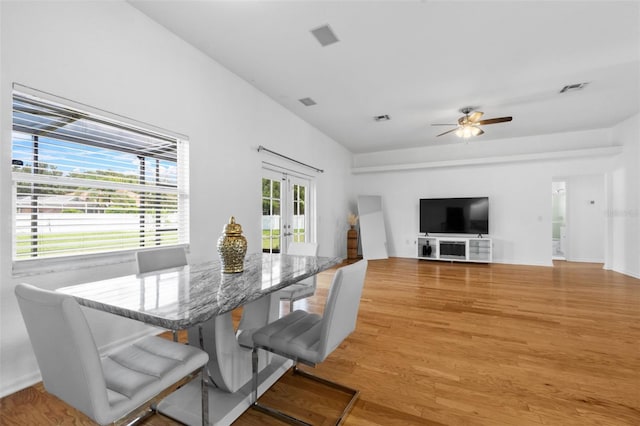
(307, 101)
(324, 35)
(384, 117)
(573, 87)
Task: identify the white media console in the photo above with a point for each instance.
(460, 249)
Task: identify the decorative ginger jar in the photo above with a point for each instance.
(232, 247)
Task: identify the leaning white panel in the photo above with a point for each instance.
(373, 235)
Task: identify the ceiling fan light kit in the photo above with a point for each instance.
(467, 131)
(469, 124)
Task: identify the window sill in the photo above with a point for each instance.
(25, 268)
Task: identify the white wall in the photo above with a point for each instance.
(586, 217)
(623, 194)
(110, 56)
(519, 192)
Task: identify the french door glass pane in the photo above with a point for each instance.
(270, 215)
(299, 218)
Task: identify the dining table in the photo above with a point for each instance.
(201, 298)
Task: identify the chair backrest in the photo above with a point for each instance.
(161, 258)
(303, 249)
(64, 347)
(341, 309)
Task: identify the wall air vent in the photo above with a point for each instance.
(384, 117)
(324, 35)
(573, 87)
(307, 101)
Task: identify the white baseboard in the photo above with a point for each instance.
(514, 262)
(632, 274)
(585, 260)
(19, 383)
(622, 271)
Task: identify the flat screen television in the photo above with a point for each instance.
(454, 215)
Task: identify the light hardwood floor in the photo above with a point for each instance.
(460, 344)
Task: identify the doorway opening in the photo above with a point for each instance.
(559, 220)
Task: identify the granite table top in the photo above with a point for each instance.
(182, 297)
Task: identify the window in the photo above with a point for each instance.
(86, 182)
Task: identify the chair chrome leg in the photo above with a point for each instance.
(354, 392)
(204, 387)
(280, 415)
(254, 370)
(254, 391)
(137, 420)
(292, 420)
(151, 407)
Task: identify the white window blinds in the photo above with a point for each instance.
(85, 183)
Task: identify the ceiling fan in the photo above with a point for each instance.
(469, 124)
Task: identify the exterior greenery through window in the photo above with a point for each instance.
(84, 183)
(270, 215)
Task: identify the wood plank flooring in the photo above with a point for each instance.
(459, 344)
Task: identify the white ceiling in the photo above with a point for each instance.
(421, 61)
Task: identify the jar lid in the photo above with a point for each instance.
(232, 228)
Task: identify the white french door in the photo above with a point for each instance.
(286, 210)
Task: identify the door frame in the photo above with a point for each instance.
(565, 251)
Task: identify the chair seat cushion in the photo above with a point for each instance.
(145, 368)
(296, 334)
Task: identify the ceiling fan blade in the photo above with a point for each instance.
(481, 132)
(443, 124)
(475, 116)
(495, 120)
(448, 131)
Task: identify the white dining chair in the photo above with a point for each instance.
(303, 288)
(123, 384)
(309, 338)
(160, 258)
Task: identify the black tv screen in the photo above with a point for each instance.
(454, 215)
